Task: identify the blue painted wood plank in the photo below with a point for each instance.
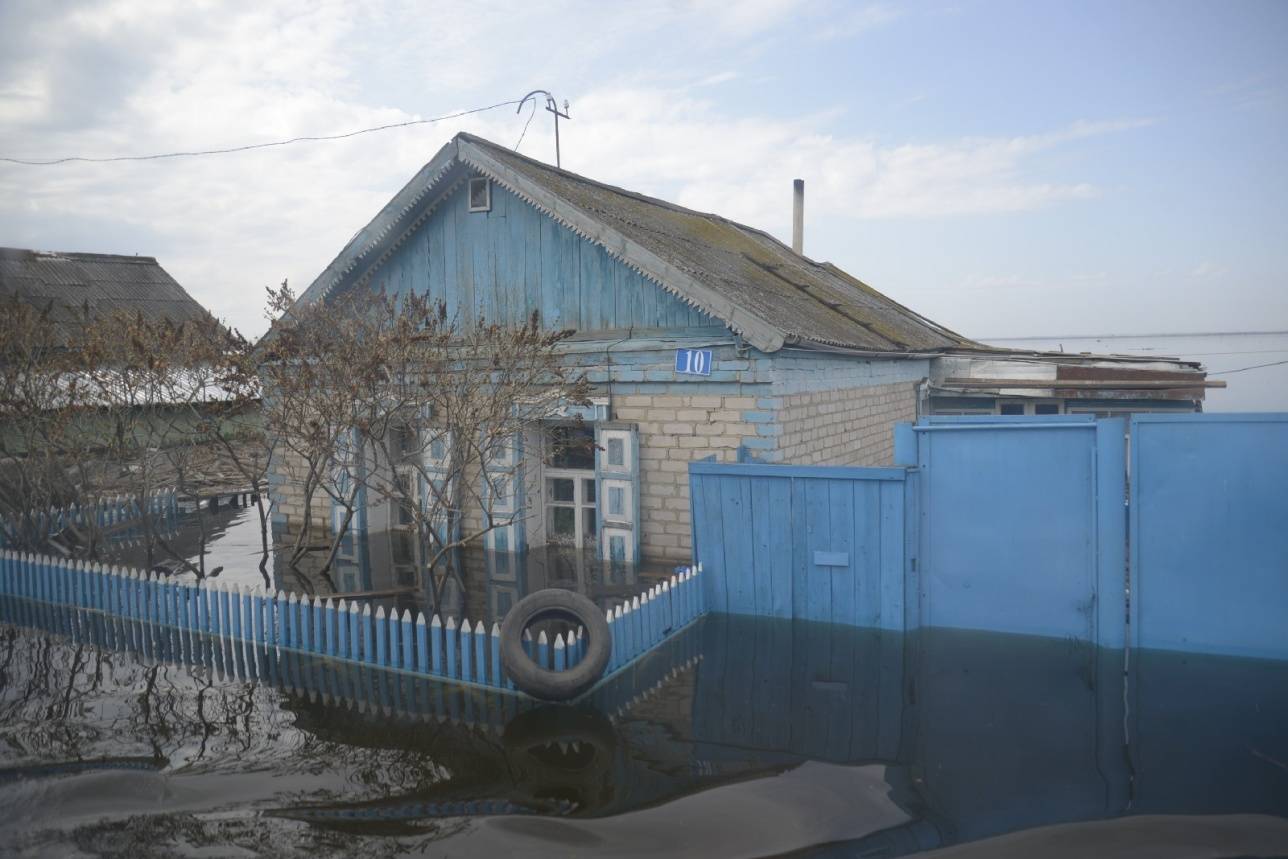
(736, 514)
(354, 623)
(818, 531)
(543, 650)
(891, 561)
(714, 546)
(408, 627)
(437, 647)
(449, 648)
(498, 672)
(481, 649)
(381, 625)
(845, 577)
(467, 651)
(421, 630)
(370, 655)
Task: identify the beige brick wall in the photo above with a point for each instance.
(848, 426)
(290, 470)
(673, 431)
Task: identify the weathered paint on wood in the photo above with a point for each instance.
(504, 263)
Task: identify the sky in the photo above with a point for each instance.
(1006, 169)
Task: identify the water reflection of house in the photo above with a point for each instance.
(705, 338)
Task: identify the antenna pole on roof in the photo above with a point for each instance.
(553, 107)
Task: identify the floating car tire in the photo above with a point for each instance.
(555, 604)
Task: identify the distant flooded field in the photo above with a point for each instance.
(1254, 365)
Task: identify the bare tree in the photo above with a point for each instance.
(387, 399)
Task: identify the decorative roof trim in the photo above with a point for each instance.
(760, 334)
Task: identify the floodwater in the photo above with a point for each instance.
(739, 737)
(1253, 364)
(378, 568)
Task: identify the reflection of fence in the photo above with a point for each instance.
(321, 680)
(333, 628)
(120, 516)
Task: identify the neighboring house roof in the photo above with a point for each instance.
(742, 276)
(108, 283)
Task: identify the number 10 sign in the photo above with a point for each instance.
(693, 362)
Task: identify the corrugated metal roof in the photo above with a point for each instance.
(65, 282)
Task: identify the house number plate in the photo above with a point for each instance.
(693, 362)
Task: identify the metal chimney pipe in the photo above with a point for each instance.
(798, 216)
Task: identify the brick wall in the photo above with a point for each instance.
(287, 489)
(674, 430)
(848, 426)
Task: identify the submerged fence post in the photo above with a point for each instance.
(619, 640)
(355, 633)
(368, 634)
(318, 621)
(467, 651)
(498, 675)
(561, 657)
(449, 640)
(436, 646)
(333, 633)
(422, 644)
(481, 650)
(406, 625)
(382, 638)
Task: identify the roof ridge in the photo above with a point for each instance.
(78, 255)
(627, 192)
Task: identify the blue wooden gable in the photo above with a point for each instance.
(508, 261)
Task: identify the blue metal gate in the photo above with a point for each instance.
(1209, 533)
(1022, 525)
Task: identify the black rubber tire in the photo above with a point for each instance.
(555, 604)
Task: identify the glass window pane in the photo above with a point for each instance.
(1011, 409)
(588, 491)
(572, 447)
(588, 523)
(563, 522)
(1046, 409)
(561, 488)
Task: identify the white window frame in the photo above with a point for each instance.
(487, 194)
(578, 504)
(1029, 406)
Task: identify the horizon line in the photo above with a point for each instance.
(1110, 336)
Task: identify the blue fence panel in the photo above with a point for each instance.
(814, 543)
(1009, 535)
(1209, 533)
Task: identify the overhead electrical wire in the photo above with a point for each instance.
(200, 152)
(1241, 369)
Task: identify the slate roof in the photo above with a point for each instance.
(109, 283)
(746, 278)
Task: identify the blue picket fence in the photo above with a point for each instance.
(115, 514)
(334, 628)
(337, 683)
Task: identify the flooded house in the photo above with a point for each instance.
(704, 338)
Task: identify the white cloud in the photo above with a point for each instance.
(226, 226)
(857, 20)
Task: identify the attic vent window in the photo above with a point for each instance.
(480, 195)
